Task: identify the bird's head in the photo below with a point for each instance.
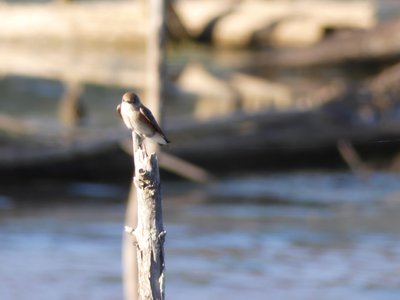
(131, 98)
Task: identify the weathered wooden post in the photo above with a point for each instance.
(149, 232)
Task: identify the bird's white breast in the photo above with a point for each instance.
(128, 114)
(131, 117)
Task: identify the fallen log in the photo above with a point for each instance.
(379, 44)
(267, 139)
(235, 23)
(314, 18)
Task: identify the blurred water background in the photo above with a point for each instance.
(331, 235)
(310, 233)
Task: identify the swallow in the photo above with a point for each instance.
(139, 119)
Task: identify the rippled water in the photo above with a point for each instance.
(344, 244)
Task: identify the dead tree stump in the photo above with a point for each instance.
(149, 233)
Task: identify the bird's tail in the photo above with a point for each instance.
(160, 139)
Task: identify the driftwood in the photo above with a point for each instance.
(176, 165)
(256, 93)
(214, 97)
(226, 22)
(238, 23)
(290, 24)
(352, 158)
(378, 44)
(266, 137)
(332, 109)
(361, 113)
(353, 113)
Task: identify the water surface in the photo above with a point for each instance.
(345, 247)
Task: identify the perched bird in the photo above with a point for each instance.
(139, 119)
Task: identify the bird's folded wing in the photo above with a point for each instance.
(146, 113)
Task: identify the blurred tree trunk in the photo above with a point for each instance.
(155, 63)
